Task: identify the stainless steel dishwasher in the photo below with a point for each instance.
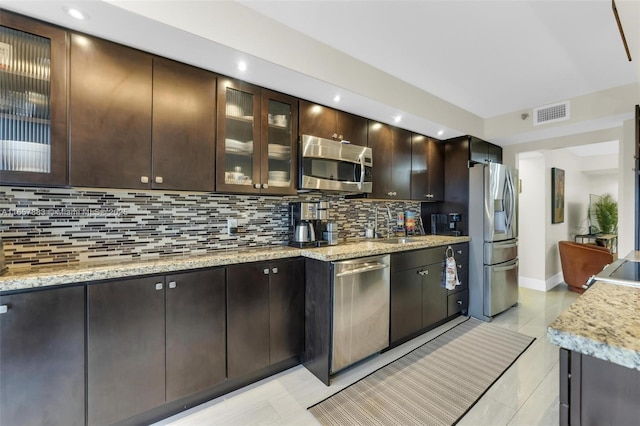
(361, 296)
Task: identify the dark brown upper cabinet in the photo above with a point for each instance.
(391, 148)
(110, 108)
(279, 134)
(184, 127)
(484, 152)
(427, 169)
(139, 121)
(256, 145)
(33, 104)
(325, 122)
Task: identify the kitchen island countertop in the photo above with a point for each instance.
(23, 279)
(604, 323)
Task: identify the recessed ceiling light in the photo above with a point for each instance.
(75, 13)
(242, 66)
(397, 119)
(440, 132)
(336, 98)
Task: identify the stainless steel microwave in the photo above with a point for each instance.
(329, 165)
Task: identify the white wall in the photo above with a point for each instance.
(576, 202)
(539, 258)
(531, 220)
(626, 191)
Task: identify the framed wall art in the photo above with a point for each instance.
(557, 195)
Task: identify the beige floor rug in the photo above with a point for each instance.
(435, 384)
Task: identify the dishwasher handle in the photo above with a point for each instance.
(370, 267)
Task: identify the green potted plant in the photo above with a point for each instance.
(606, 209)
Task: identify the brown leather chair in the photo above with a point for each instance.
(581, 261)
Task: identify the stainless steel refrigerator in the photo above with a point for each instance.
(493, 250)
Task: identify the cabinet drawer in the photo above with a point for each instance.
(463, 275)
(416, 258)
(457, 303)
(460, 250)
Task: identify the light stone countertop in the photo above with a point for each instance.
(604, 322)
(108, 270)
(362, 248)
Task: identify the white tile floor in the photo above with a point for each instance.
(527, 394)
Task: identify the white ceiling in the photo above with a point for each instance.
(450, 64)
(488, 57)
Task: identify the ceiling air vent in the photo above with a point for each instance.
(551, 113)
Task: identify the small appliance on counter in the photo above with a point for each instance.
(331, 234)
(308, 223)
(445, 224)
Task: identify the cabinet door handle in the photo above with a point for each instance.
(256, 185)
(3, 309)
(265, 186)
(172, 284)
(340, 137)
(159, 179)
(334, 136)
(459, 251)
(266, 271)
(158, 286)
(390, 193)
(459, 266)
(274, 270)
(144, 179)
(459, 302)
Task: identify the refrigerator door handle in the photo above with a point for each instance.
(510, 196)
(505, 268)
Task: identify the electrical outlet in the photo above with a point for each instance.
(232, 225)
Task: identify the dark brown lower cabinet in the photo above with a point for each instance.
(260, 330)
(418, 296)
(153, 340)
(42, 358)
(286, 311)
(406, 303)
(597, 392)
(125, 348)
(247, 318)
(434, 295)
(196, 336)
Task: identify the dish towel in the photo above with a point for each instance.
(451, 271)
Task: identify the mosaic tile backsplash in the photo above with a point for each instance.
(46, 226)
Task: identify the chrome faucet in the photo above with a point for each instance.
(375, 222)
(389, 220)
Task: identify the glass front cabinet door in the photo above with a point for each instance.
(257, 131)
(279, 137)
(33, 102)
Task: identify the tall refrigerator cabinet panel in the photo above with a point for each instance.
(493, 250)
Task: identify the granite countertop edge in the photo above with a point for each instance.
(601, 350)
(601, 323)
(83, 273)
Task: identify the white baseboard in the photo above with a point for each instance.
(541, 285)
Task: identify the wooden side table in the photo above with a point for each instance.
(609, 241)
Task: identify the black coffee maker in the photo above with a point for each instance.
(307, 223)
(445, 224)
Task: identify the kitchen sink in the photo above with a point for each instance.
(396, 240)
